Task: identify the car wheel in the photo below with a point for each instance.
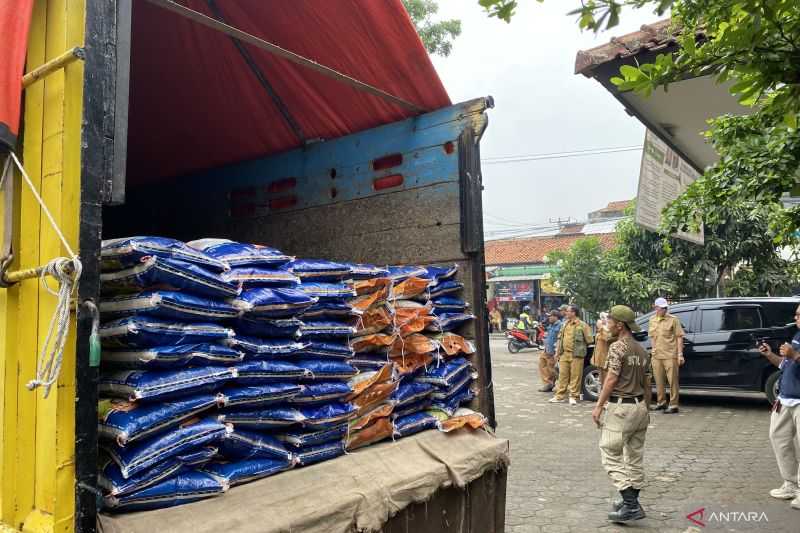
(591, 383)
(512, 347)
(771, 386)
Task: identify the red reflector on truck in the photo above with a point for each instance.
(387, 182)
(387, 161)
(283, 203)
(282, 185)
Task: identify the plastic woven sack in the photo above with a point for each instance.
(126, 422)
(167, 274)
(364, 419)
(324, 392)
(450, 321)
(333, 309)
(316, 454)
(411, 391)
(409, 288)
(376, 394)
(110, 479)
(319, 270)
(273, 303)
(241, 444)
(451, 404)
(326, 350)
(372, 286)
(254, 396)
(374, 320)
(446, 374)
(361, 382)
(165, 357)
(274, 417)
(249, 277)
(372, 343)
(326, 370)
(411, 364)
(368, 361)
(326, 329)
(306, 438)
(159, 385)
(408, 425)
(169, 305)
(448, 304)
(257, 348)
(463, 417)
(410, 409)
(198, 457)
(401, 273)
(328, 415)
(379, 430)
(439, 273)
(116, 254)
(282, 328)
(414, 343)
(237, 254)
(456, 388)
(236, 473)
(445, 287)
(453, 344)
(142, 455)
(328, 291)
(261, 371)
(363, 271)
(146, 332)
(185, 487)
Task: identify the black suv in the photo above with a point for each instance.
(720, 343)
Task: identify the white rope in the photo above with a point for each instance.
(68, 273)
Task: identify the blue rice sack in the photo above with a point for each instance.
(369, 361)
(457, 387)
(238, 254)
(166, 357)
(328, 291)
(411, 408)
(167, 274)
(260, 371)
(328, 415)
(451, 404)
(257, 348)
(449, 321)
(446, 374)
(126, 422)
(316, 454)
(159, 385)
(274, 417)
(326, 350)
(445, 287)
(238, 472)
(440, 273)
(366, 271)
(116, 254)
(326, 370)
(198, 457)
(309, 270)
(331, 309)
(270, 328)
(326, 329)
(448, 304)
(110, 479)
(146, 332)
(185, 487)
(410, 424)
(241, 444)
(402, 273)
(273, 303)
(253, 396)
(306, 438)
(171, 305)
(412, 391)
(317, 393)
(150, 451)
(261, 277)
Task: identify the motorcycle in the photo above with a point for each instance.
(519, 340)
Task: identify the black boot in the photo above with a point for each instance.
(616, 505)
(630, 510)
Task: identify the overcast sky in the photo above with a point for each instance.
(541, 107)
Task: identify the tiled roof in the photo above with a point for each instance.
(534, 249)
(617, 206)
(651, 37)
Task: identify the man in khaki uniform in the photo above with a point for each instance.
(573, 342)
(624, 425)
(666, 338)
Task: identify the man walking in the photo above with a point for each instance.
(666, 337)
(547, 358)
(573, 341)
(784, 425)
(624, 425)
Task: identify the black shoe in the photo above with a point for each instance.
(547, 388)
(630, 510)
(617, 504)
(659, 407)
(671, 410)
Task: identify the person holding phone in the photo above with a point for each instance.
(784, 426)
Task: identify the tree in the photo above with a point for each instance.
(582, 275)
(437, 36)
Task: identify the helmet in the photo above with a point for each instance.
(526, 308)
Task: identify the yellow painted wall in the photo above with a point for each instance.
(38, 434)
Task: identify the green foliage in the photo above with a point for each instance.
(581, 275)
(437, 36)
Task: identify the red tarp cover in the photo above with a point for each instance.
(15, 19)
(195, 103)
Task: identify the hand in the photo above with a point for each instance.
(788, 351)
(764, 348)
(681, 360)
(596, 413)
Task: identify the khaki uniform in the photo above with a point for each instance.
(664, 334)
(573, 340)
(602, 341)
(624, 425)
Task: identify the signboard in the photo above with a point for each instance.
(663, 176)
(514, 291)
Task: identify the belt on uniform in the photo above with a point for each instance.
(619, 399)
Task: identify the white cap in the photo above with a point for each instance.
(662, 303)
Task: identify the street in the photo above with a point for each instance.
(714, 455)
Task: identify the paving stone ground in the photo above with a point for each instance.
(715, 454)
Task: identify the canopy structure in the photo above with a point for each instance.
(200, 99)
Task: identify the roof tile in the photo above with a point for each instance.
(535, 249)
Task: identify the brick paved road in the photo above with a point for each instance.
(714, 454)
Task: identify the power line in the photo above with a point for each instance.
(557, 155)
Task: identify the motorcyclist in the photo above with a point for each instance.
(525, 322)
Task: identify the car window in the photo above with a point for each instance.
(778, 314)
(686, 319)
(730, 319)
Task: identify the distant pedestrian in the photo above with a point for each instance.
(784, 425)
(562, 310)
(666, 338)
(602, 341)
(547, 358)
(571, 349)
(497, 319)
(622, 414)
